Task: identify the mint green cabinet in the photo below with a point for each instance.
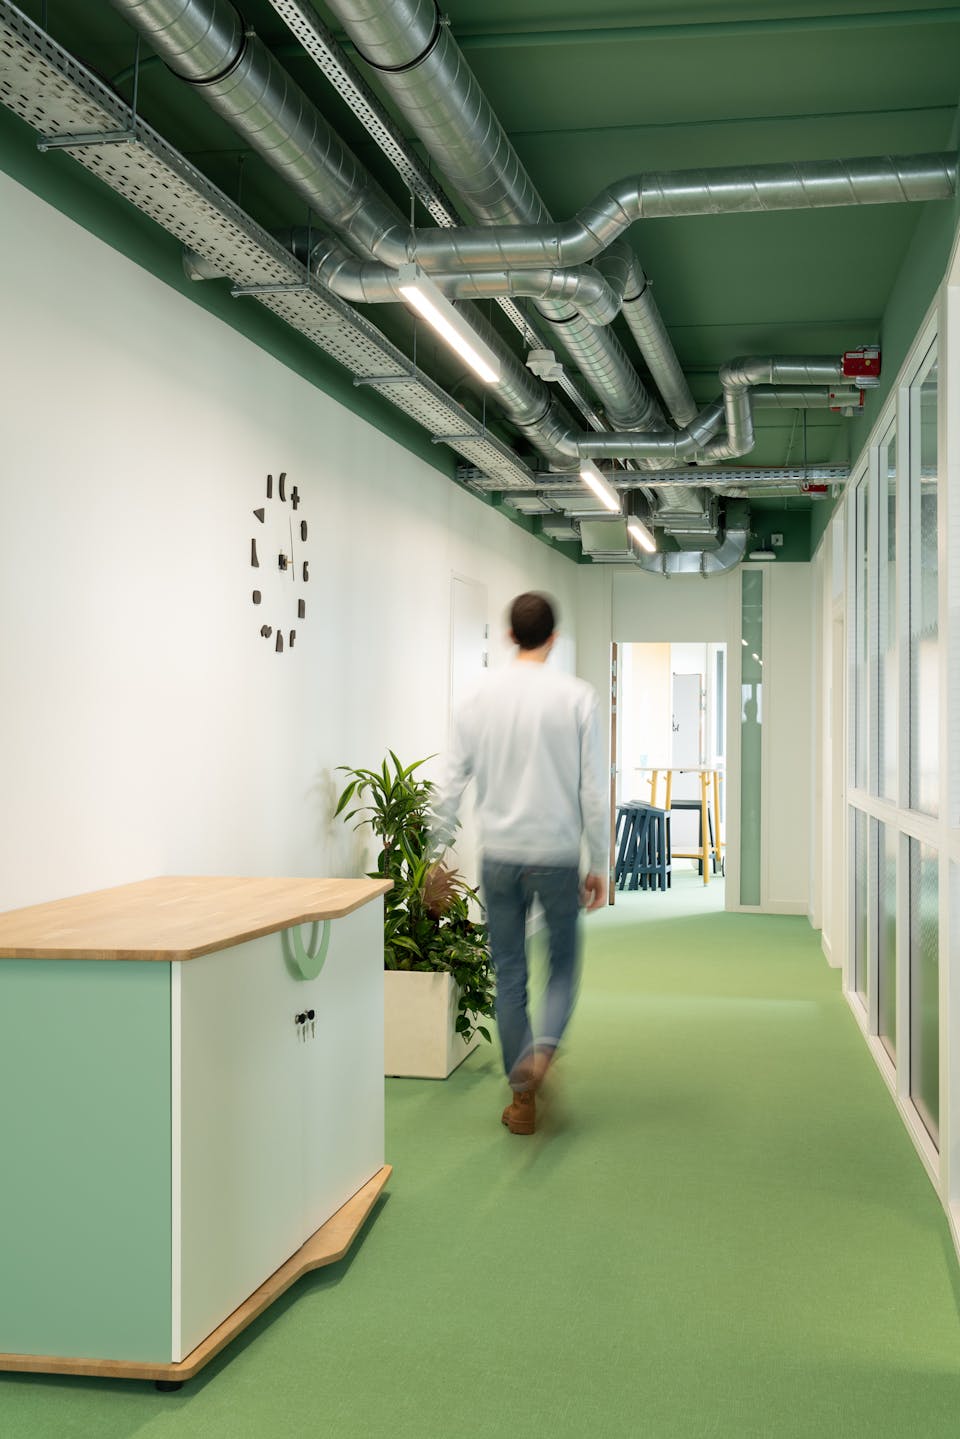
(173, 1131)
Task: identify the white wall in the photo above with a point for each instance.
(145, 727)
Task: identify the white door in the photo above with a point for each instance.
(468, 636)
(239, 1107)
(687, 749)
(342, 1118)
(687, 720)
(469, 651)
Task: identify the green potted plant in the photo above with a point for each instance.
(438, 983)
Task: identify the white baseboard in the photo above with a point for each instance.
(827, 948)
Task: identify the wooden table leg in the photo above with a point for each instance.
(704, 831)
(717, 843)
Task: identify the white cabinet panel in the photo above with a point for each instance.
(343, 1144)
(241, 1209)
(280, 1123)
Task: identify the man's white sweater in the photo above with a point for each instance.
(529, 736)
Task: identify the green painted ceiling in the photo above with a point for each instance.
(589, 96)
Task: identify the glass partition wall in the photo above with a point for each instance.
(894, 558)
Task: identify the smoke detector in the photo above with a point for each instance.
(545, 364)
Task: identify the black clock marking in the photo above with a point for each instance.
(288, 561)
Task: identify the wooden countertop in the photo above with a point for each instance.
(175, 917)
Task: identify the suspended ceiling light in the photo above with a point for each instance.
(594, 480)
(434, 307)
(638, 531)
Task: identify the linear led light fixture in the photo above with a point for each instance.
(593, 479)
(638, 531)
(434, 307)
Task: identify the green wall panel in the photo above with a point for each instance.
(751, 733)
(85, 1204)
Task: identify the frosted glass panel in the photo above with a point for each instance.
(924, 605)
(888, 687)
(861, 913)
(925, 984)
(887, 937)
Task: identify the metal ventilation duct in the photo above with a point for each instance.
(811, 185)
(427, 76)
(319, 43)
(73, 110)
(262, 103)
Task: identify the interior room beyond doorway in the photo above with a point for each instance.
(671, 761)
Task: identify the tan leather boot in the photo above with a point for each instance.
(520, 1117)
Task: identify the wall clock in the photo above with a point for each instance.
(278, 552)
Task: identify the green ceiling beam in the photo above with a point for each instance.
(524, 36)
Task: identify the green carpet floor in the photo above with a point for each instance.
(722, 1230)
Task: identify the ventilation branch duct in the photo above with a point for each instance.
(739, 378)
(607, 542)
(363, 282)
(811, 185)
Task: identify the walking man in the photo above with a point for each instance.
(529, 737)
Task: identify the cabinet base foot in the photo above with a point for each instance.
(330, 1243)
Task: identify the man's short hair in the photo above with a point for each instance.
(532, 620)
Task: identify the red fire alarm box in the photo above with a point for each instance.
(862, 364)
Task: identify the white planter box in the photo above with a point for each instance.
(419, 1012)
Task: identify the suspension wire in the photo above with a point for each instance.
(136, 85)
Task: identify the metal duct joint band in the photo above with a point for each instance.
(392, 36)
(417, 59)
(199, 40)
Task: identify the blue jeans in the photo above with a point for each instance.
(508, 892)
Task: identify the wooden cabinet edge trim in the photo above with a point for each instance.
(167, 956)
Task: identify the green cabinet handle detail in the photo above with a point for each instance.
(306, 961)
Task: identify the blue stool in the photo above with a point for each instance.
(643, 851)
(658, 861)
(631, 829)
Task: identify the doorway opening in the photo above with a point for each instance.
(670, 772)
